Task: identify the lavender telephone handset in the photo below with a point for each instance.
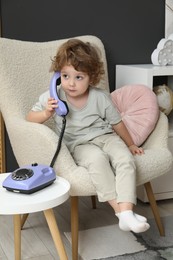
(34, 177)
(62, 109)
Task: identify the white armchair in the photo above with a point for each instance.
(24, 75)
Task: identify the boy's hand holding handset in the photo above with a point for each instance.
(51, 105)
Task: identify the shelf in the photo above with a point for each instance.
(142, 74)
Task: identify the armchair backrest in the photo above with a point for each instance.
(24, 72)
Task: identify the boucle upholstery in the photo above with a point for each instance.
(24, 75)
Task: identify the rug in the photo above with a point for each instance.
(110, 243)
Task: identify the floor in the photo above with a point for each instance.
(36, 240)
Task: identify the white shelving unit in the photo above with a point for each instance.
(144, 74)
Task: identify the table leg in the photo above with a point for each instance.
(50, 217)
(17, 236)
(23, 219)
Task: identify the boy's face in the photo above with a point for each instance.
(74, 83)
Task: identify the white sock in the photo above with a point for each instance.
(128, 222)
(137, 216)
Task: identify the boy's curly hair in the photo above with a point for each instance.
(82, 56)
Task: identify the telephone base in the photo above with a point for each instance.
(30, 178)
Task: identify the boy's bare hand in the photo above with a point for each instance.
(136, 150)
(51, 104)
(50, 107)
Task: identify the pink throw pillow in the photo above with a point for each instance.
(139, 109)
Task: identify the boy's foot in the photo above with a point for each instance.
(137, 216)
(128, 222)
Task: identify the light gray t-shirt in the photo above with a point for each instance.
(82, 125)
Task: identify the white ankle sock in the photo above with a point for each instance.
(128, 222)
(137, 216)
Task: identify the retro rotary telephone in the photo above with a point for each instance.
(34, 177)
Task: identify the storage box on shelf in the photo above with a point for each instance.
(146, 74)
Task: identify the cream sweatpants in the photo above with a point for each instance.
(111, 167)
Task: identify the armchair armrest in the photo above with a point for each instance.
(156, 154)
(32, 142)
(159, 136)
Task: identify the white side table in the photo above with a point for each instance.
(20, 205)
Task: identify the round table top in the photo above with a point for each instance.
(19, 203)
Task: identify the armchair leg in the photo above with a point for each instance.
(154, 207)
(74, 227)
